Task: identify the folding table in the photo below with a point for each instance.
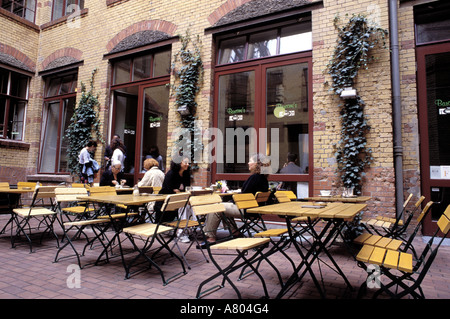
(334, 214)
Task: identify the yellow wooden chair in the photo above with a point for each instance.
(69, 203)
(400, 274)
(391, 243)
(151, 233)
(242, 247)
(41, 209)
(393, 227)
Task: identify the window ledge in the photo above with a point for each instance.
(14, 144)
(21, 20)
(111, 3)
(49, 178)
(64, 19)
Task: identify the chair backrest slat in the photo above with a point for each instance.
(207, 204)
(102, 190)
(245, 200)
(282, 197)
(69, 194)
(444, 221)
(262, 197)
(175, 201)
(424, 211)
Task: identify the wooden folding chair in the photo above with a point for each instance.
(255, 223)
(391, 243)
(289, 194)
(250, 222)
(41, 209)
(98, 227)
(152, 233)
(212, 204)
(401, 276)
(69, 204)
(186, 225)
(393, 227)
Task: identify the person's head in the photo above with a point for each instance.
(154, 151)
(116, 166)
(117, 143)
(115, 137)
(181, 166)
(91, 145)
(149, 163)
(256, 162)
(291, 157)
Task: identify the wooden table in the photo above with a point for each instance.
(335, 214)
(339, 198)
(124, 199)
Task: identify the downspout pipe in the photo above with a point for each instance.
(396, 106)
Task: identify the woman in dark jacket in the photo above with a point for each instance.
(257, 182)
(175, 181)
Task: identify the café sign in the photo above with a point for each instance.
(444, 106)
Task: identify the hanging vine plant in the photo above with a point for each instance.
(84, 125)
(352, 52)
(188, 71)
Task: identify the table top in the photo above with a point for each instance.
(20, 190)
(339, 198)
(125, 199)
(340, 210)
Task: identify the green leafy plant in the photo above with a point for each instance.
(84, 125)
(188, 70)
(352, 52)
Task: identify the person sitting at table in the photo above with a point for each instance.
(153, 177)
(257, 182)
(176, 180)
(112, 176)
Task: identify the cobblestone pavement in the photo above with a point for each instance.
(25, 275)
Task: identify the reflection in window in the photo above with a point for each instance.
(262, 44)
(23, 8)
(56, 119)
(287, 110)
(283, 40)
(13, 103)
(155, 121)
(59, 105)
(236, 116)
(141, 67)
(232, 50)
(66, 7)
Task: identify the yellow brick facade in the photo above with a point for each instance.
(104, 22)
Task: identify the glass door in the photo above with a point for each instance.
(434, 120)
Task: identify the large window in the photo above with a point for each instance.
(59, 105)
(65, 7)
(13, 103)
(141, 103)
(23, 8)
(263, 104)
